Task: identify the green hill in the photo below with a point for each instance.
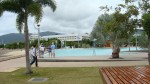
(17, 37)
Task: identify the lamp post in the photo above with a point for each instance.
(139, 24)
(94, 42)
(38, 28)
(136, 41)
(56, 43)
(78, 37)
(65, 43)
(94, 45)
(62, 43)
(128, 40)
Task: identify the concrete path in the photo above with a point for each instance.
(14, 64)
(10, 54)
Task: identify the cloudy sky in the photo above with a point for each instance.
(71, 16)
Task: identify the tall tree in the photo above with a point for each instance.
(146, 26)
(121, 25)
(24, 9)
(144, 6)
(97, 32)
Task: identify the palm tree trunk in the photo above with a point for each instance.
(28, 67)
(149, 50)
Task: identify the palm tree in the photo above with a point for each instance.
(1, 10)
(24, 9)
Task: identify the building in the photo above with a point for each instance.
(63, 37)
(68, 37)
(33, 37)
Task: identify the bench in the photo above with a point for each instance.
(125, 75)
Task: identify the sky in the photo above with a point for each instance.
(71, 16)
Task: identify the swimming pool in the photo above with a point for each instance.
(88, 51)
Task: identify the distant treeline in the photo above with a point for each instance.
(85, 43)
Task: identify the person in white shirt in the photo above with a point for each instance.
(42, 49)
(53, 50)
(33, 56)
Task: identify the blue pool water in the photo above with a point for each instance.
(88, 51)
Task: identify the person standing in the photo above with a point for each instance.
(42, 49)
(34, 56)
(53, 50)
(49, 50)
(31, 54)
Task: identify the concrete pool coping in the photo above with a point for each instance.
(127, 57)
(85, 60)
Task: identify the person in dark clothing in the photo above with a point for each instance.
(49, 50)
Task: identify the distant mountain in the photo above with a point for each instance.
(17, 37)
(11, 38)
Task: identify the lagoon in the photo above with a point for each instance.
(90, 51)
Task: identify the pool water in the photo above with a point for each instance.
(89, 51)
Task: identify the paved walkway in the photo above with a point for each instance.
(133, 60)
(6, 54)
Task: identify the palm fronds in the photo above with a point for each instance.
(19, 22)
(50, 3)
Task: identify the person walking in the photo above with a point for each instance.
(53, 50)
(33, 56)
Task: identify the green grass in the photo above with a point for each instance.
(56, 76)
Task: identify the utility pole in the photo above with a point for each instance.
(37, 27)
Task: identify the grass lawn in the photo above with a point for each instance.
(78, 75)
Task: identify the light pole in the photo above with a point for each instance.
(94, 45)
(65, 43)
(38, 28)
(78, 40)
(56, 43)
(136, 40)
(136, 33)
(62, 43)
(129, 45)
(139, 25)
(128, 40)
(94, 42)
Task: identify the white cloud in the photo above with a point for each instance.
(7, 23)
(71, 16)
